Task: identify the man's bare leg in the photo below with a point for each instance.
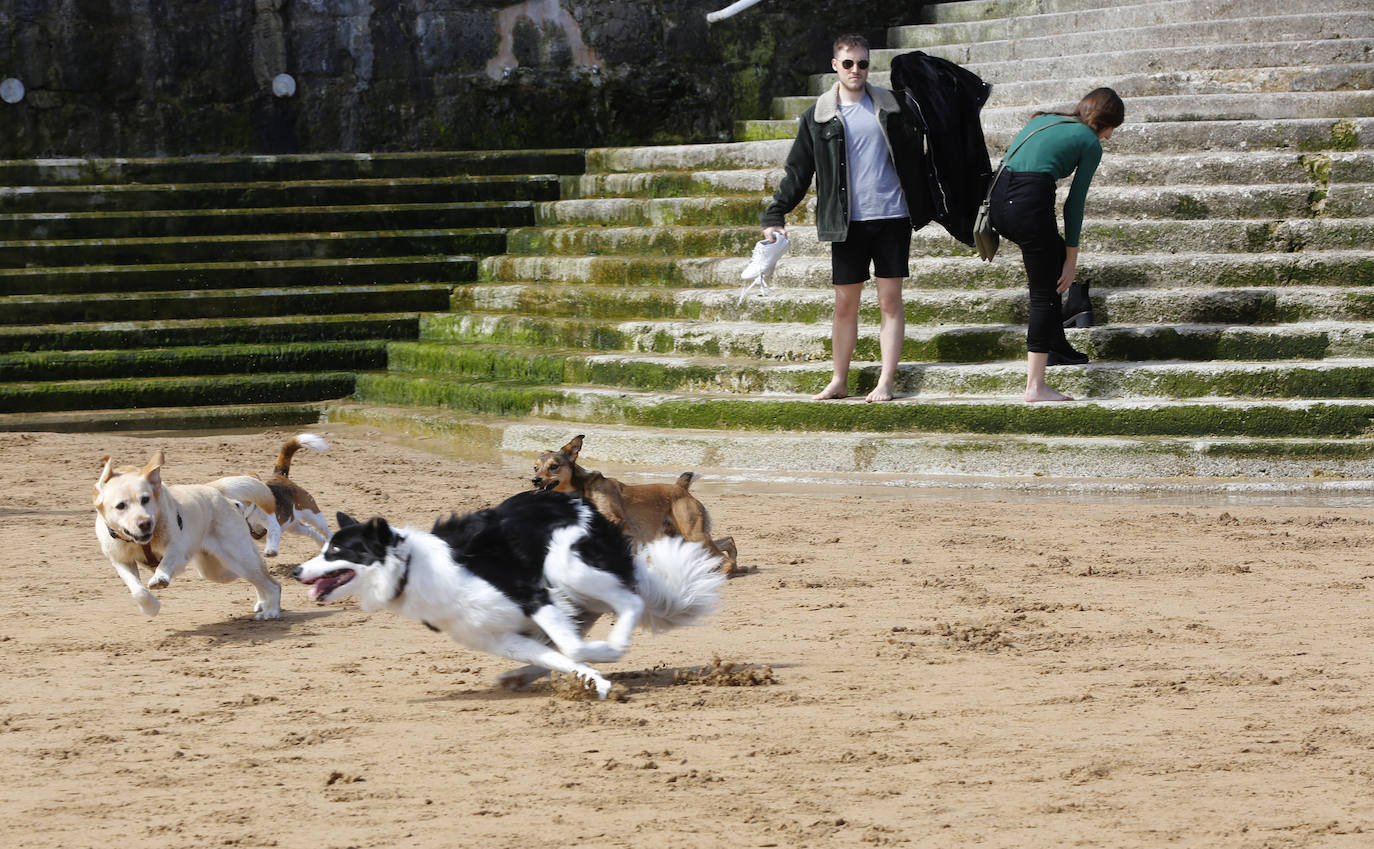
(891, 335)
(844, 334)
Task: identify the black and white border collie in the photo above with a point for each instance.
(523, 580)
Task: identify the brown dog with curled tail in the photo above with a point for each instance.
(644, 512)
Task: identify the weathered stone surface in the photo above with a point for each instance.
(140, 77)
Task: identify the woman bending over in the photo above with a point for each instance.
(1022, 210)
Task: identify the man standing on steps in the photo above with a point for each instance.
(846, 141)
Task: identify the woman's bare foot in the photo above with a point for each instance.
(836, 389)
(879, 393)
(1045, 393)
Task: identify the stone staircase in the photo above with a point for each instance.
(1227, 241)
(222, 291)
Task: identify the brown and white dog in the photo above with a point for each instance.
(295, 509)
(139, 521)
(645, 512)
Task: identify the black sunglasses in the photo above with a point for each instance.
(849, 63)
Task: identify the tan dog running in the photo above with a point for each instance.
(296, 509)
(139, 521)
(645, 512)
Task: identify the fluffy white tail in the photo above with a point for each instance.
(291, 446)
(247, 489)
(679, 581)
(311, 441)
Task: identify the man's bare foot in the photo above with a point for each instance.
(879, 393)
(836, 389)
(1045, 394)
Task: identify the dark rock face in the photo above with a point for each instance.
(169, 77)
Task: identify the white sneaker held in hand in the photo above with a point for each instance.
(765, 257)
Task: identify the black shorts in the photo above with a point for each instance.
(885, 242)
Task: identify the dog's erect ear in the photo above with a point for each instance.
(105, 474)
(153, 471)
(377, 527)
(344, 520)
(573, 448)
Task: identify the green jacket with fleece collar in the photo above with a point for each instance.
(819, 151)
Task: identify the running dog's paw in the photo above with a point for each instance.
(263, 612)
(603, 686)
(599, 651)
(269, 552)
(159, 580)
(148, 603)
(519, 679)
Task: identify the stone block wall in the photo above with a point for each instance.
(174, 77)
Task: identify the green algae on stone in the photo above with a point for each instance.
(192, 360)
(174, 391)
(1345, 135)
(481, 363)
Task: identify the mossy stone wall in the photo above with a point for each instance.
(176, 77)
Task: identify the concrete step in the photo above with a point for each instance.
(1216, 60)
(297, 219)
(1254, 201)
(158, 333)
(1133, 84)
(1311, 135)
(309, 166)
(953, 342)
(164, 196)
(1152, 270)
(1141, 17)
(657, 184)
(34, 253)
(1101, 466)
(1200, 106)
(1201, 305)
(1180, 138)
(204, 390)
(982, 10)
(1208, 107)
(231, 275)
(1134, 169)
(221, 303)
(211, 418)
(685, 211)
(1307, 419)
(1118, 236)
(1180, 23)
(192, 360)
(1335, 378)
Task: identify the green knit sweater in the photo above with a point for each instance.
(1071, 148)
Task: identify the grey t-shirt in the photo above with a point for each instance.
(874, 190)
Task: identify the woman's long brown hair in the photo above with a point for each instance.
(1099, 109)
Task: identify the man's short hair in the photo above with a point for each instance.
(851, 40)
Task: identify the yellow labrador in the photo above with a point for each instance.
(139, 521)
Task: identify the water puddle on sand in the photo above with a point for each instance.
(481, 444)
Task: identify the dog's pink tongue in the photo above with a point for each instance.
(315, 590)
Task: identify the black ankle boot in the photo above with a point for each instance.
(1067, 356)
(1078, 310)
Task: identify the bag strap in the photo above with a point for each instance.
(1002, 166)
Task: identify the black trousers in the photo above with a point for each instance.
(1022, 211)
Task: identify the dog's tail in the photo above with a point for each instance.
(679, 582)
(247, 489)
(685, 479)
(294, 444)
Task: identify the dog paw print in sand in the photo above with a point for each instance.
(717, 673)
(724, 673)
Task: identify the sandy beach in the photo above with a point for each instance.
(891, 671)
